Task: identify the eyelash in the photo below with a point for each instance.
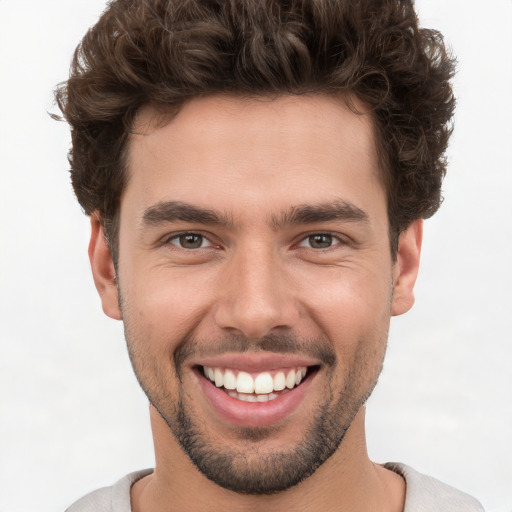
(335, 240)
(177, 236)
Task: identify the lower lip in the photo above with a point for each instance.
(253, 414)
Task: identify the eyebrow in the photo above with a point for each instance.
(173, 211)
(311, 214)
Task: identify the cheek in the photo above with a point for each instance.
(354, 314)
(351, 307)
(151, 342)
(164, 306)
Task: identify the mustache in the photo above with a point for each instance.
(317, 348)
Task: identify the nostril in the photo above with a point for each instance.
(254, 302)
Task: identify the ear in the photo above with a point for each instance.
(103, 270)
(406, 268)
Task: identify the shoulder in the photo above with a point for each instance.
(425, 493)
(110, 499)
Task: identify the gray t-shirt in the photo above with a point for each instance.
(423, 494)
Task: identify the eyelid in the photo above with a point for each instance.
(168, 239)
(336, 236)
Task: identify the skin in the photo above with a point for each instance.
(257, 275)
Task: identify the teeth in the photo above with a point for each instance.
(244, 387)
(279, 381)
(229, 380)
(290, 380)
(244, 383)
(245, 397)
(219, 379)
(264, 383)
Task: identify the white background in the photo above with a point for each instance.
(72, 417)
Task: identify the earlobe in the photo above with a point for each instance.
(406, 268)
(103, 270)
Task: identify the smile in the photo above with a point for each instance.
(253, 397)
(258, 387)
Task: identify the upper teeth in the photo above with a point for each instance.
(261, 383)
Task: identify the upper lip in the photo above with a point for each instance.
(256, 362)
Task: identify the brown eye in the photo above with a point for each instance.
(320, 241)
(189, 241)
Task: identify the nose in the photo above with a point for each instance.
(256, 297)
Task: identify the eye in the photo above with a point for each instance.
(319, 241)
(190, 241)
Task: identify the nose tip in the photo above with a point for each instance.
(254, 319)
(256, 301)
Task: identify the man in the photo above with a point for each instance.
(257, 172)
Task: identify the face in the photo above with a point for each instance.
(256, 282)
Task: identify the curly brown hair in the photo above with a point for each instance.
(165, 52)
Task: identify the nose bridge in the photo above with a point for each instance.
(255, 298)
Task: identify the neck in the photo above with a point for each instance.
(347, 481)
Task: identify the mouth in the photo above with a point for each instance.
(255, 398)
(257, 387)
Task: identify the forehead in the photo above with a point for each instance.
(258, 153)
